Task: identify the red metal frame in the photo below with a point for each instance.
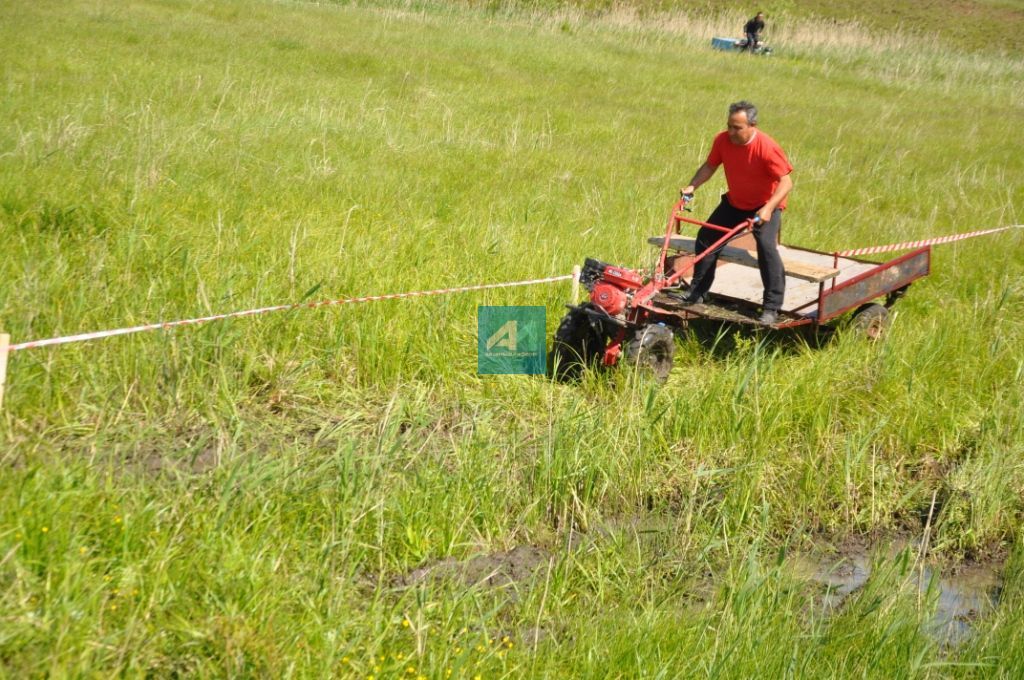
(658, 281)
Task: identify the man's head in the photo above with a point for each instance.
(742, 123)
(760, 15)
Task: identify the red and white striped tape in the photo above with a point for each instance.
(907, 245)
(81, 337)
(164, 325)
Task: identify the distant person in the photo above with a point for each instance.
(757, 175)
(753, 29)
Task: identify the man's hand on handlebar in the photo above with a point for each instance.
(685, 197)
(764, 215)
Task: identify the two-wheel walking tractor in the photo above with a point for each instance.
(634, 315)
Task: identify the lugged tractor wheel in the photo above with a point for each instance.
(652, 348)
(577, 344)
(872, 320)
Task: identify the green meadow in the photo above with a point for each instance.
(337, 493)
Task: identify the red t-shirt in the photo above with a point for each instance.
(752, 170)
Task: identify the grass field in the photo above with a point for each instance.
(312, 493)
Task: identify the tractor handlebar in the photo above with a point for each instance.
(684, 202)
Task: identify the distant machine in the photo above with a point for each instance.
(740, 45)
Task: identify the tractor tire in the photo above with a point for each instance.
(577, 345)
(652, 348)
(871, 320)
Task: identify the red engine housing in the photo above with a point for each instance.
(609, 297)
(623, 278)
(611, 291)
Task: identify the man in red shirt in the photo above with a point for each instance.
(757, 174)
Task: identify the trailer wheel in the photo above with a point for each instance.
(577, 345)
(872, 320)
(652, 348)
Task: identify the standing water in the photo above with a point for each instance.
(964, 594)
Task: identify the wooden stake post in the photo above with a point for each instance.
(5, 342)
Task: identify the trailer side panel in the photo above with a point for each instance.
(872, 284)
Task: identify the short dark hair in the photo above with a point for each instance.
(747, 108)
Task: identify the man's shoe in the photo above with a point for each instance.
(683, 294)
(768, 317)
(678, 291)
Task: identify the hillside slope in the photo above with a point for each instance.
(984, 25)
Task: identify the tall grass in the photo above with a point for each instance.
(247, 497)
(944, 25)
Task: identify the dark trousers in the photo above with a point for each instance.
(773, 275)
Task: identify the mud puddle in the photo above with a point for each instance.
(963, 599)
(493, 570)
(965, 593)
